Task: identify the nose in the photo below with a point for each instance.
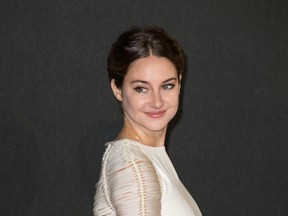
(156, 101)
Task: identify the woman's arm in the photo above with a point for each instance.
(132, 182)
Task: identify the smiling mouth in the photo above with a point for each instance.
(157, 114)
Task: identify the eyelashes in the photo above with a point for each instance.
(141, 89)
(168, 86)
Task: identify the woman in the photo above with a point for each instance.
(145, 68)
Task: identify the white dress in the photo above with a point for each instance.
(137, 179)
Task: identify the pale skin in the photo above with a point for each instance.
(149, 98)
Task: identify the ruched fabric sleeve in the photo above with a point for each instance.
(128, 185)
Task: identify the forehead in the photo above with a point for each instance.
(151, 67)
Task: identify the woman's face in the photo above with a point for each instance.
(149, 94)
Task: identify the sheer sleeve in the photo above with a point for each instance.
(130, 184)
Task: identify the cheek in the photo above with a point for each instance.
(173, 100)
(174, 105)
(132, 104)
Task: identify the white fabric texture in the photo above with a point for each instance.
(137, 179)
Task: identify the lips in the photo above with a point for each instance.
(155, 114)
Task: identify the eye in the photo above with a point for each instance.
(140, 89)
(168, 86)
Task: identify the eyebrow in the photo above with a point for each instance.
(146, 82)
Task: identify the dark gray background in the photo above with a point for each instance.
(228, 143)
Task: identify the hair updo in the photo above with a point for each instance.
(138, 43)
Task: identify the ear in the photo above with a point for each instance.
(116, 91)
(180, 78)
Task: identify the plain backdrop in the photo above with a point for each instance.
(228, 141)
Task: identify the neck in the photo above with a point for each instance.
(155, 139)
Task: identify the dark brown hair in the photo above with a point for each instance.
(139, 43)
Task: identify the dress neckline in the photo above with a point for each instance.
(126, 140)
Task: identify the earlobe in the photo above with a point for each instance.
(116, 91)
